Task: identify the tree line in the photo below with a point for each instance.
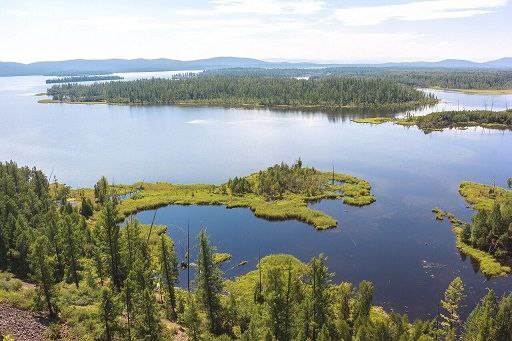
(417, 77)
(128, 276)
(83, 78)
(327, 92)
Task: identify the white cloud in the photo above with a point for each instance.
(415, 11)
(260, 7)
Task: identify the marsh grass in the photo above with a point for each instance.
(351, 190)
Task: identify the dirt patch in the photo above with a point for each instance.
(21, 324)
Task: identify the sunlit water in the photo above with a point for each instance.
(394, 242)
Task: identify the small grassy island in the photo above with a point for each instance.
(488, 238)
(280, 192)
(318, 93)
(83, 78)
(437, 121)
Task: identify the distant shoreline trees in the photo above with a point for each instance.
(328, 92)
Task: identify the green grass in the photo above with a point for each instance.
(481, 196)
(440, 214)
(373, 120)
(351, 190)
(221, 257)
(489, 266)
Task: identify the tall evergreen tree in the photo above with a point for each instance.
(109, 312)
(169, 273)
(110, 237)
(42, 265)
(209, 284)
(453, 296)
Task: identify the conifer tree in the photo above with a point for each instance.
(209, 284)
(71, 241)
(453, 297)
(109, 313)
(191, 320)
(169, 272)
(110, 238)
(42, 266)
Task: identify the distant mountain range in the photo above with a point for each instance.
(139, 65)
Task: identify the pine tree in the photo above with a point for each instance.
(363, 304)
(86, 208)
(209, 284)
(480, 323)
(466, 233)
(320, 279)
(101, 190)
(109, 313)
(453, 297)
(169, 272)
(147, 324)
(42, 265)
(71, 240)
(190, 319)
(110, 237)
(502, 329)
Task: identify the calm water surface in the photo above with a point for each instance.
(394, 242)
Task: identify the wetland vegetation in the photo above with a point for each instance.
(280, 192)
(96, 279)
(488, 237)
(450, 119)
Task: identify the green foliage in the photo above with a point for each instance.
(305, 185)
(83, 78)
(191, 319)
(169, 271)
(109, 312)
(464, 118)
(329, 92)
(453, 296)
(42, 267)
(209, 283)
(418, 78)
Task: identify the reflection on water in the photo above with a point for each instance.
(394, 242)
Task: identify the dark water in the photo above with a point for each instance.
(395, 242)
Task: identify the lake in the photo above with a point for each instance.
(395, 242)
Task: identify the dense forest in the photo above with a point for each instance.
(418, 77)
(83, 78)
(98, 280)
(327, 92)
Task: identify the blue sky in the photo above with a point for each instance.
(316, 30)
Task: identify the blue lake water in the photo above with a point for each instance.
(394, 242)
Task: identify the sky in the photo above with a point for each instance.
(313, 30)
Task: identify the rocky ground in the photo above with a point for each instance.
(21, 324)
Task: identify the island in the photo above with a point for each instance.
(318, 93)
(437, 121)
(83, 78)
(488, 238)
(280, 192)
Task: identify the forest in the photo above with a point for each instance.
(99, 280)
(415, 77)
(462, 118)
(327, 92)
(83, 78)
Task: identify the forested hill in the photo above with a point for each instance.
(328, 92)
